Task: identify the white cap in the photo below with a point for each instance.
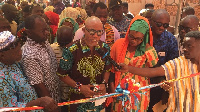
(142, 11)
(5, 39)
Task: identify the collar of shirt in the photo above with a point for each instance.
(85, 48)
(33, 43)
(122, 21)
(162, 37)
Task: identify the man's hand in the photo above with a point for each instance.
(124, 68)
(166, 86)
(48, 103)
(85, 90)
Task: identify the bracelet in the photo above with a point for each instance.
(78, 87)
(104, 82)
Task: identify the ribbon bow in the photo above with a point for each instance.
(131, 96)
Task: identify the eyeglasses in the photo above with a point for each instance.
(135, 38)
(11, 46)
(92, 31)
(186, 29)
(159, 24)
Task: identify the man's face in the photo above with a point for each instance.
(89, 11)
(38, 11)
(102, 15)
(93, 33)
(148, 15)
(25, 14)
(186, 26)
(14, 53)
(46, 19)
(40, 32)
(23, 4)
(5, 26)
(125, 10)
(117, 13)
(160, 23)
(191, 48)
(183, 14)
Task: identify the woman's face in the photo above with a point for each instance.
(135, 38)
(67, 24)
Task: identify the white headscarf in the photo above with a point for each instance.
(69, 12)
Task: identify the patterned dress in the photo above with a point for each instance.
(149, 59)
(15, 91)
(82, 67)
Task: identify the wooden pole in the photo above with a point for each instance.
(178, 16)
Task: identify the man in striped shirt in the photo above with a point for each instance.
(184, 94)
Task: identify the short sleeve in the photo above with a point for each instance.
(152, 57)
(32, 70)
(169, 69)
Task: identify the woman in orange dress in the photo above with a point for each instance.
(137, 50)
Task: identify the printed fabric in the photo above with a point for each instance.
(40, 66)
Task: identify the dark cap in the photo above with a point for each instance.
(114, 3)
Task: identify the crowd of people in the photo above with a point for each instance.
(52, 54)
